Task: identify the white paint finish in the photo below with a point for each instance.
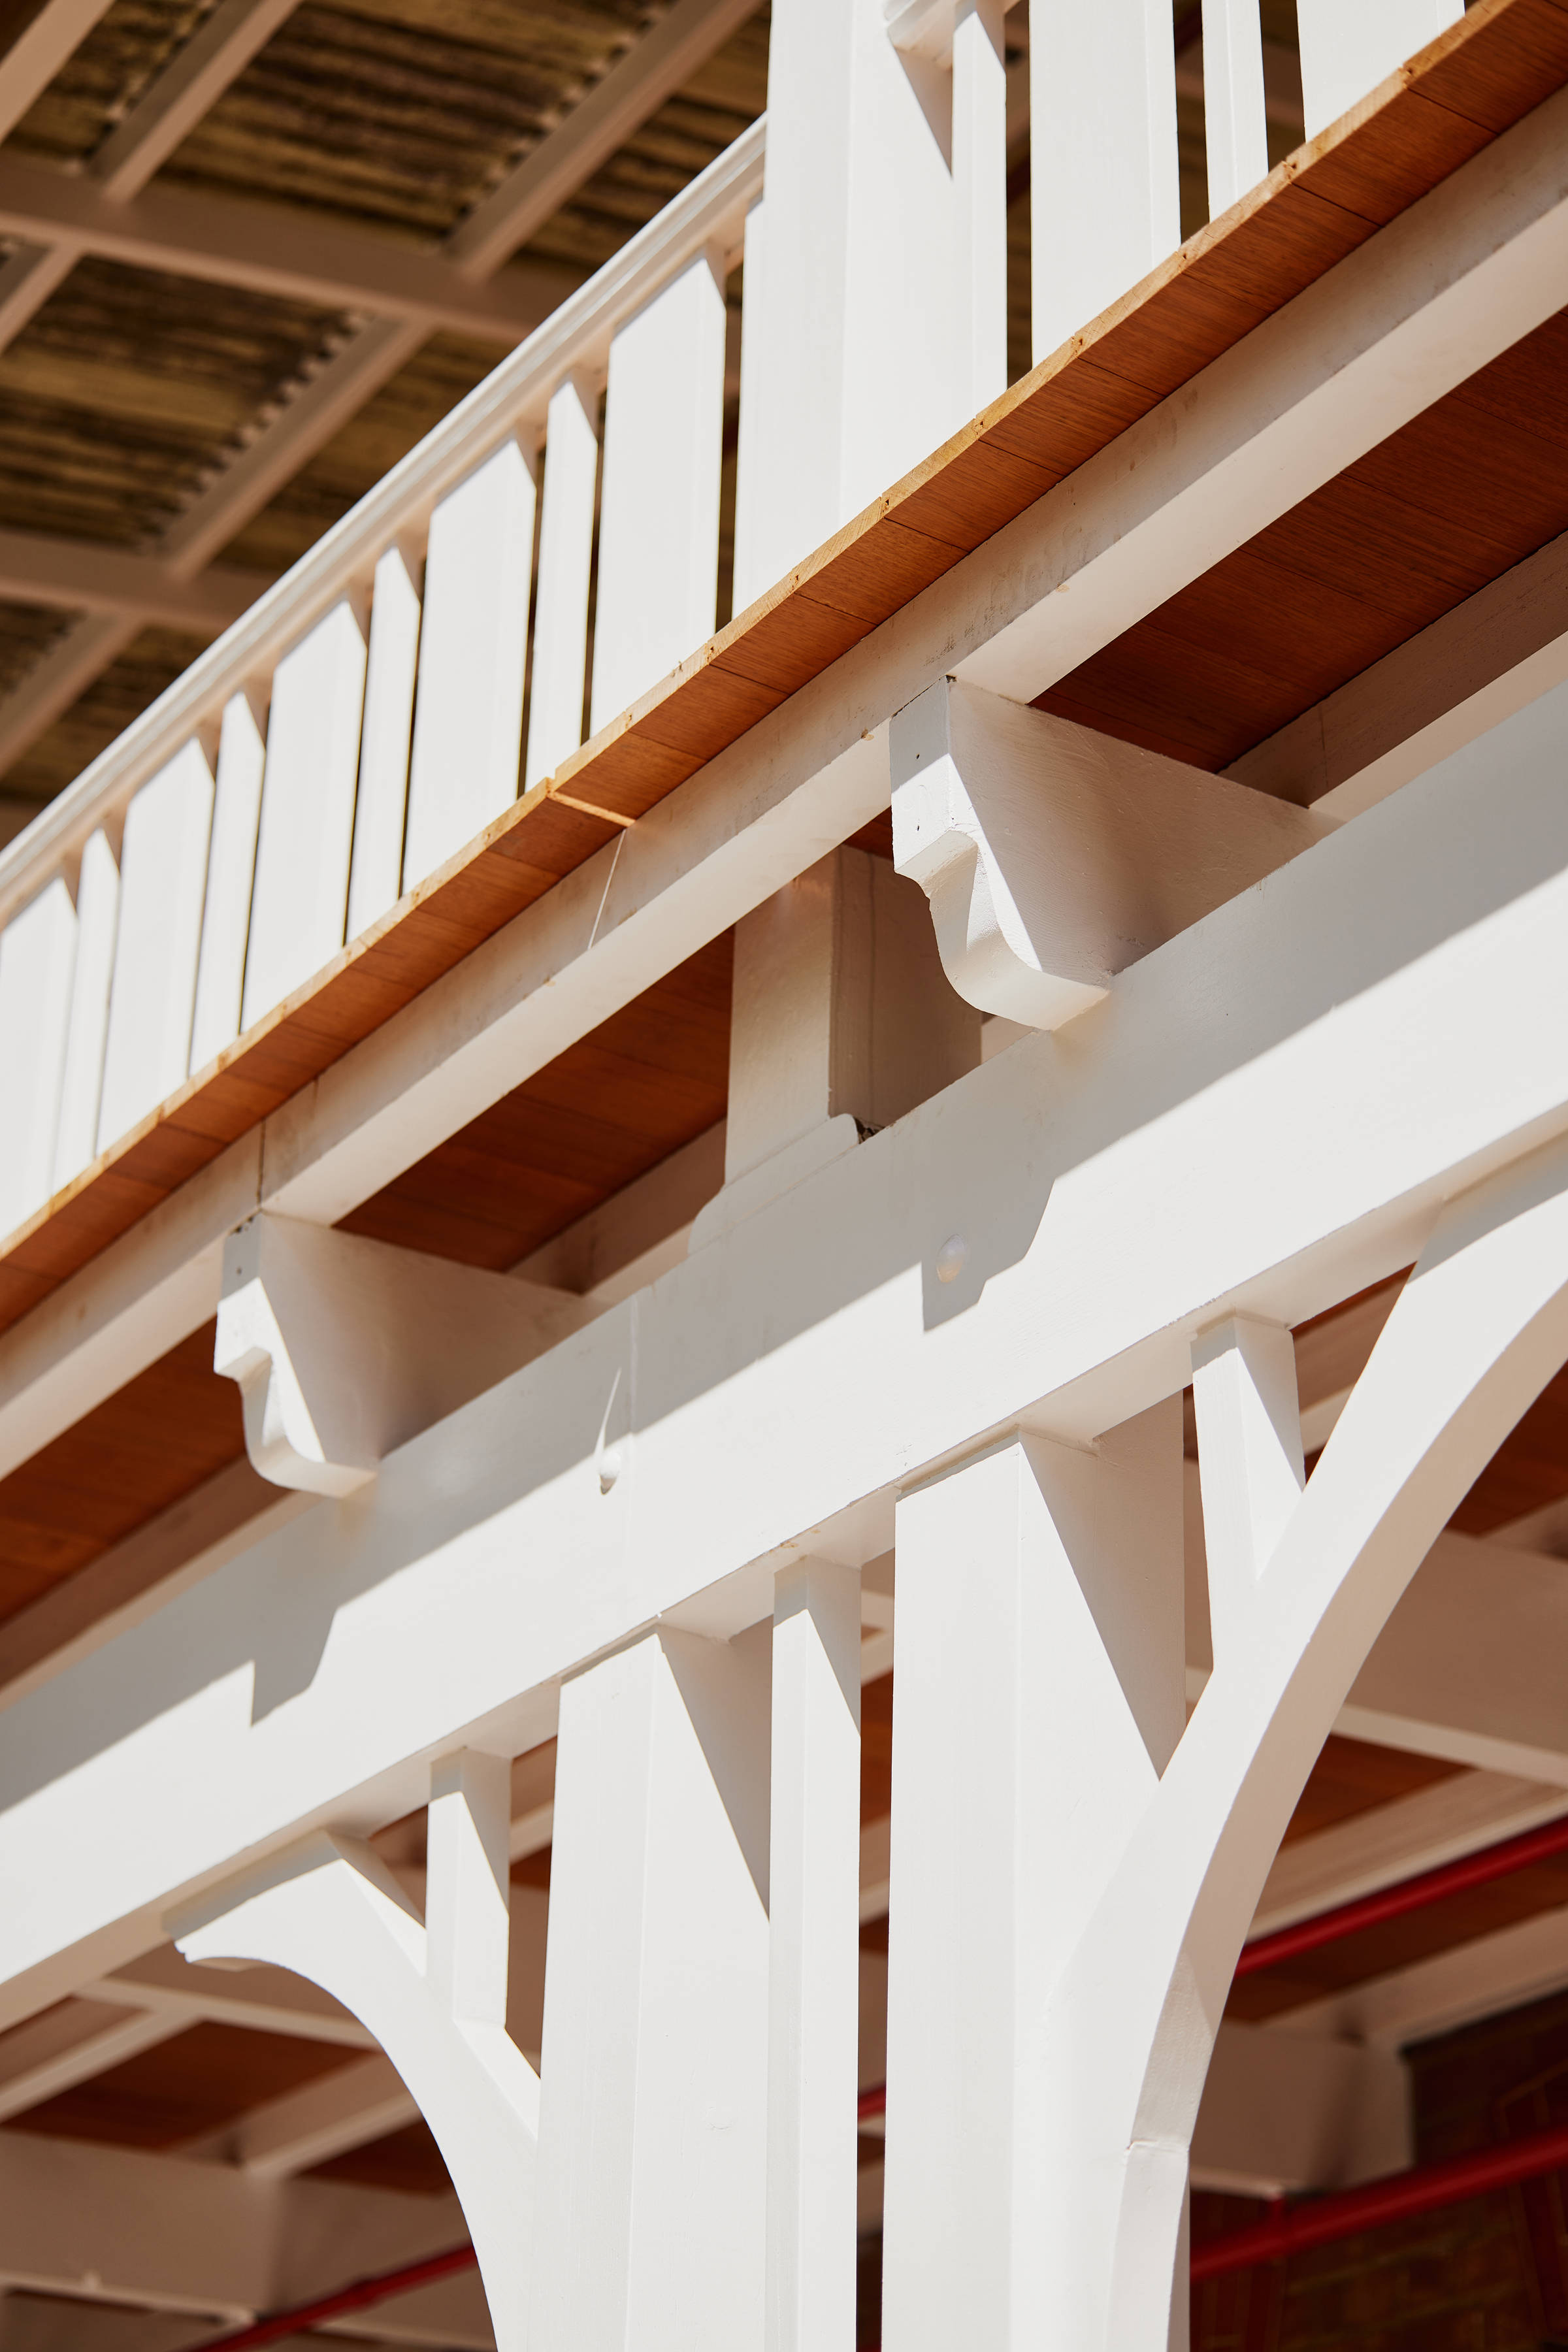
(839, 1006)
(344, 1347)
(376, 869)
(1172, 1167)
(1285, 2111)
(307, 809)
(38, 956)
(979, 196)
(467, 1884)
(558, 680)
(1348, 47)
(1037, 1649)
(1104, 198)
(1235, 129)
(231, 872)
(1250, 1459)
(467, 719)
(163, 880)
(658, 521)
(97, 920)
(813, 1961)
(857, 342)
(1480, 1326)
(330, 1911)
(752, 510)
(1053, 856)
(652, 2141)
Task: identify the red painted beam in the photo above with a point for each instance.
(1478, 1869)
(1321, 2221)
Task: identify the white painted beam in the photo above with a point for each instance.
(264, 2001)
(357, 2102)
(1497, 1972)
(1285, 2112)
(1173, 1167)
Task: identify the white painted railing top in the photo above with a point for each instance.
(365, 719)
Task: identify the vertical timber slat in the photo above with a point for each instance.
(565, 560)
(37, 949)
(231, 874)
(162, 883)
(97, 916)
(375, 873)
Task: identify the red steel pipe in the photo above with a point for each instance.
(1291, 2229)
(358, 2297)
(1407, 1895)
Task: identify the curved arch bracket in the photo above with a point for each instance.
(432, 1993)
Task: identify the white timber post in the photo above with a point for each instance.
(1125, 1989)
(979, 188)
(857, 310)
(231, 876)
(565, 557)
(1235, 130)
(1105, 201)
(1037, 1697)
(841, 1021)
(653, 2128)
(1348, 47)
(814, 1958)
(434, 1995)
(1249, 1459)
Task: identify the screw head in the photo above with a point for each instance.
(950, 1258)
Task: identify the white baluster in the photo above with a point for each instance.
(980, 190)
(1348, 47)
(814, 1969)
(97, 919)
(307, 809)
(658, 517)
(750, 454)
(566, 557)
(1104, 198)
(375, 878)
(231, 870)
(37, 949)
(652, 2129)
(1038, 1695)
(163, 881)
(467, 725)
(1235, 132)
(863, 330)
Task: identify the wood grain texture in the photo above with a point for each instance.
(1323, 201)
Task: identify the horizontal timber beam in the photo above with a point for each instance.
(1173, 1168)
(77, 575)
(301, 256)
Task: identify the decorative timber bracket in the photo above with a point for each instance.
(345, 1349)
(1053, 856)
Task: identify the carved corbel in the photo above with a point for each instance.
(1053, 856)
(345, 1349)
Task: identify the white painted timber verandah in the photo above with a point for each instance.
(1117, 1075)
